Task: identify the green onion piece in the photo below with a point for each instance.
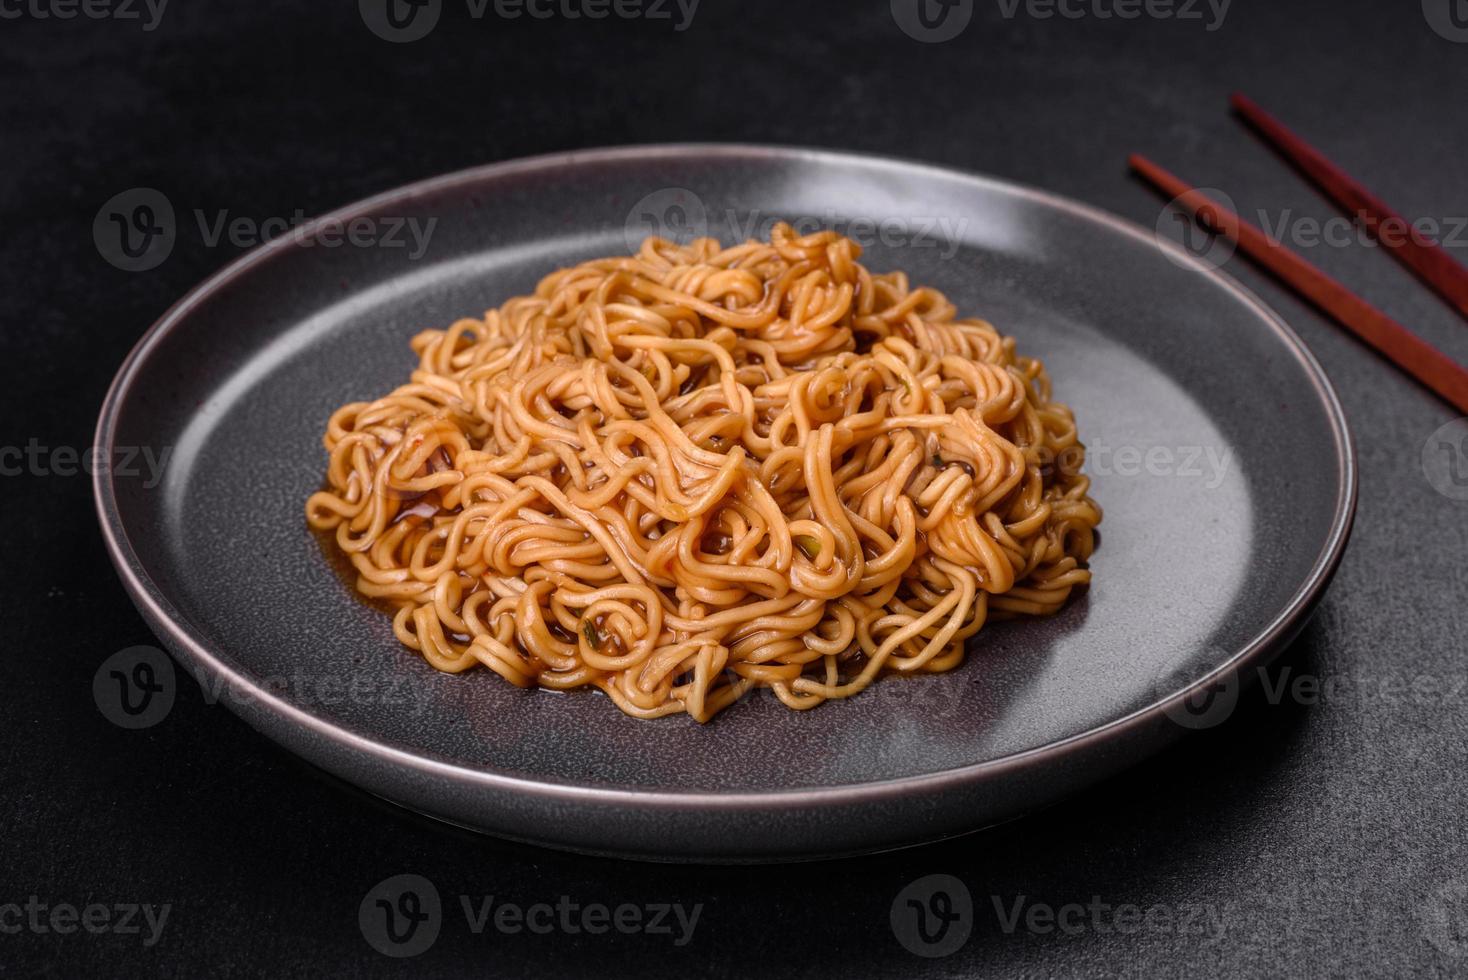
(809, 546)
(938, 461)
(592, 634)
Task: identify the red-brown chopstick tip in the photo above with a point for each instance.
(1141, 165)
(1156, 176)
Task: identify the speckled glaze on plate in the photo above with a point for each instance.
(1217, 447)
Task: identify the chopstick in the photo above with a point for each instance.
(1425, 257)
(1403, 348)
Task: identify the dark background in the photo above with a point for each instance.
(1328, 838)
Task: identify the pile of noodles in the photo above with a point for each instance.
(683, 474)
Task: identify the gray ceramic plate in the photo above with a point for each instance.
(1217, 447)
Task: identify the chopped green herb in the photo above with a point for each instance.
(938, 461)
(592, 634)
(809, 545)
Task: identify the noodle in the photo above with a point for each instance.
(684, 474)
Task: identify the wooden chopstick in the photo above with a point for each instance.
(1398, 344)
(1425, 257)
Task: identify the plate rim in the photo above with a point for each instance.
(160, 613)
